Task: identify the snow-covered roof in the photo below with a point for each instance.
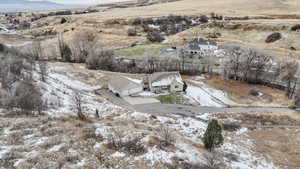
(122, 83)
(196, 43)
(164, 78)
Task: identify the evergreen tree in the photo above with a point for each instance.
(213, 137)
(185, 86)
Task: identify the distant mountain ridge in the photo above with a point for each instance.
(27, 5)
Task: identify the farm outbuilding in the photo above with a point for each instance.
(124, 86)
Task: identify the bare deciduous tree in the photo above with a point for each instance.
(78, 105)
(35, 50)
(43, 70)
(288, 71)
(83, 43)
(64, 49)
(101, 59)
(247, 65)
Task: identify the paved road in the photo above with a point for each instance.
(188, 110)
(185, 110)
(114, 99)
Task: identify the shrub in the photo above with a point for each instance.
(166, 136)
(203, 19)
(254, 92)
(63, 20)
(295, 27)
(273, 37)
(213, 137)
(66, 53)
(64, 49)
(131, 32)
(134, 146)
(155, 36)
(231, 126)
(27, 97)
(2, 48)
(117, 141)
(213, 160)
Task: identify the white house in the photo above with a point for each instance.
(163, 82)
(199, 48)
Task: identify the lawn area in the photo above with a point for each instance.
(171, 99)
(139, 50)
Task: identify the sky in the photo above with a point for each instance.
(78, 1)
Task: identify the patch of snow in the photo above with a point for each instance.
(206, 96)
(154, 26)
(56, 148)
(246, 158)
(146, 94)
(190, 127)
(202, 97)
(188, 153)
(165, 41)
(138, 115)
(165, 120)
(98, 145)
(134, 80)
(204, 116)
(18, 162)
(3, 151)
(81, 163)
(199, 78)
(241, 131)
(118, 154)
(71, 83)
(154, 155)
(38, 142)
(103, 131)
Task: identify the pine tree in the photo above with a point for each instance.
(185, 86)
(213, 137)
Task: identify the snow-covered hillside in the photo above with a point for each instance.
(59, 139)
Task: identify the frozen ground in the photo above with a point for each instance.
(58, 140)
(59, 89)
(41, 142)
(207, 96)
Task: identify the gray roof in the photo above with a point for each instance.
(159, 76)
(122, 83)
(196, 43)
